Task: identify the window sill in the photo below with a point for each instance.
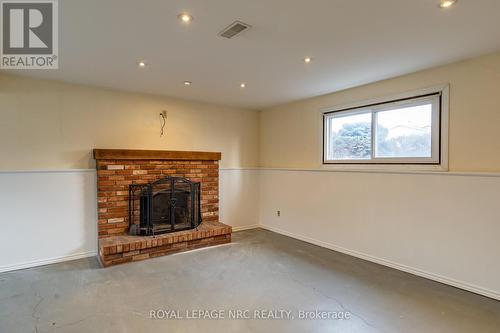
(386, 167)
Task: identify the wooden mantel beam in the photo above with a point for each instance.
(129, 154)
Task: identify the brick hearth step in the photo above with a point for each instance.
(115, 250)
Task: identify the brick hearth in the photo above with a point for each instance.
(121, 249)
(117, 169)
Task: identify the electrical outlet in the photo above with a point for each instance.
(278, 212)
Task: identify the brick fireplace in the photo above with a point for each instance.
(118, 169)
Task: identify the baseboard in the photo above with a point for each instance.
(246, 227)
(55, 260)
(43, 262)
(431, 276)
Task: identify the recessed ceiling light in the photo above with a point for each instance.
(187, 83)
(243, 85)
(185, 17)
(141, 64)
(307, 60)
(447, 3)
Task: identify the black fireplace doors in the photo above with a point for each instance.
(166, 205)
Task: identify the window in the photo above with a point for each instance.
(402, 131)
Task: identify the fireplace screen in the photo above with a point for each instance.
(167, 205)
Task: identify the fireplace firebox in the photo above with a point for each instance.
(166, 205)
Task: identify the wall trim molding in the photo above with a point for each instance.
(49, 171)
(240, 169)
(94, 170)
(431, 276)
(43, 262)
(403, 172)
(246, 227)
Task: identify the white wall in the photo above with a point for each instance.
(441, 226)
(239, 198)
(55, 125)
(46, 217)
(51, 216)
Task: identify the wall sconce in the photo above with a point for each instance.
(163, 121)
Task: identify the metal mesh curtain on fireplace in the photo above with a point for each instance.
(166, 205)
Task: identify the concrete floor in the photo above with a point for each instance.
(259, 270)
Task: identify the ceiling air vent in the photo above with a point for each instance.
(233, 29)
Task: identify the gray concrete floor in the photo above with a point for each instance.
(259, 270)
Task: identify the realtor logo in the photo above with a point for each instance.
(29, 34)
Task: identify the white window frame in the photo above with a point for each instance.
(438, 96)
